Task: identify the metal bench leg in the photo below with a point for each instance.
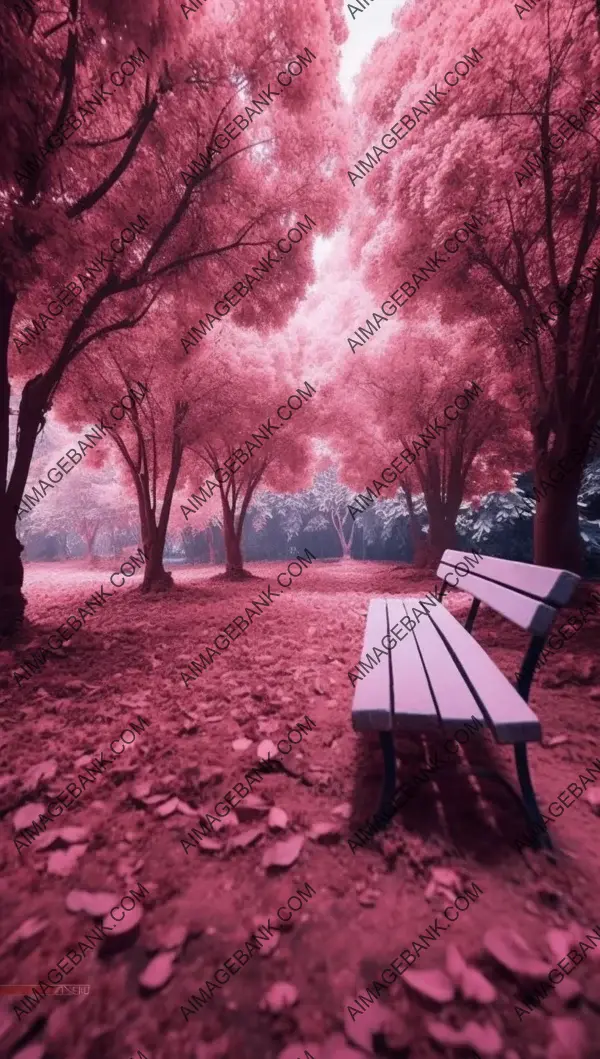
(388, 787)
(541, 838)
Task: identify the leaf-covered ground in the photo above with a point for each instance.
(367, 907)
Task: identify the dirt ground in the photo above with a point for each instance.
(366, 908)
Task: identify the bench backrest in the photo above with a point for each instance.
(526, 594)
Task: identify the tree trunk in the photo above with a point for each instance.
(417, 537)
(32, 409)
(556, 536)
(232, 534)
(234, 563)
(156, 578)
(211, 545)
(338, 525)
(90, 538)
(442, 533)
(154, 534)
(442, 529)
(12, 600)
(345, 545)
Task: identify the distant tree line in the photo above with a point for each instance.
(279, 524)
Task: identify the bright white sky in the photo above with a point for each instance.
(364, 30)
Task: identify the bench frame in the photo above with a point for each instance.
(526, 800)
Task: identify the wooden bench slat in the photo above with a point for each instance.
(525, 611)
(546, 583)
(372, 705)
(455, 702)
(510, 718)
(414, 707)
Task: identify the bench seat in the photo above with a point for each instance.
(437, 676)
(424, 672)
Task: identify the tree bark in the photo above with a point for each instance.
(144, 474)
(211, 545)
(62, 544)
(155, 576)
(234, 563)
(556, 537)
(417, 536)
(442, 531)
(90, 535)
(12, 600)
(233, 520)
(346, 545)
(442, 528)
(444, 477)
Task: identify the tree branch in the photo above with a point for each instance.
(67, 76)
(48, 32)
(105, 143)
(92, 197)
(120, 325)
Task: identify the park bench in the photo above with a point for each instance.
(438, 676)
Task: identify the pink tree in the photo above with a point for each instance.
(394, 401)
(199, 229)
(85, 502)
(145, 434)
(206, 520)
(244, 434)
(496, 144)
(331, 498)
